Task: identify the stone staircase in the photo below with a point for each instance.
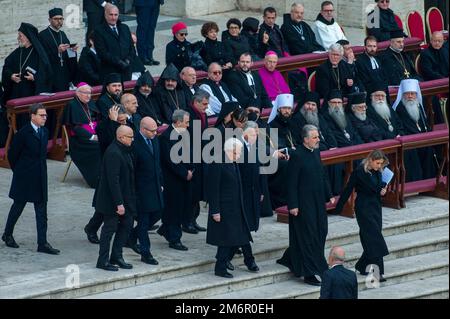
(417, 266)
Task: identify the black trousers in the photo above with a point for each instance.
(364, 261)
(40, 209)
(224, 254)
(191, 216)
(118, 225)
(146, 18)
(144, 222)
(95, 223)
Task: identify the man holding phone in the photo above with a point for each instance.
(62, 54)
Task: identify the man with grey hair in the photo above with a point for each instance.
(299, 36)
(338, 282)
(189, 84)
(335, 73)
(177, 173)
(434, 60)
(308, 192)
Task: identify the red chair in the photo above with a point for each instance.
(416, 27)
(417, 64)
(399, 21)
(312, 82)
(434, 20)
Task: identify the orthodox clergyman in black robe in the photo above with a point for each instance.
(111, 94)
(299, 36)
(63, 58)
(308, 192)
(80, 119)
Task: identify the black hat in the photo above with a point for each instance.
(55, 12)
(335, 94)
(397, 34)
(357, 98)
(113, 78)
(227, 108)
(343, 42)
(170, 73)
(376, 86)
(31, 32)
(145, 79)
(250, 24)
(312, 97)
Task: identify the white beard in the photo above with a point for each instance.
(362, 116)
(311, 117)
(412, 107)
(382, 108)
(338, 115)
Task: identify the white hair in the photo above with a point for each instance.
(336, 47)
(232, 144)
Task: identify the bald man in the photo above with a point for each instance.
(129, 101)
(116, 199)
(338, 282)
(434, 60)
(149, 186)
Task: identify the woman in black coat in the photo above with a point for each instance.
(227, 224)
(214, 50)
(234, 41)
(367, 181)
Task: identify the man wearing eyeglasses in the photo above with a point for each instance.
(27, 157)
(385, 19)
(62, 55)
(326, 29)
(116, 200)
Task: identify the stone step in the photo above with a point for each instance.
(204, 284)
(434, 287)
(397, 271)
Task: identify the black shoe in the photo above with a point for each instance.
(382, 279)
(225, 274)
(146, 61)
(48, 249)
(9, 241)
(312, 280)
(190, 229)
(108, 267)
(230, 266)
(160, 232)
(134, 246)
(149, 260)
(121, 263)
(154, 62)
(178, 246)
(154, 227)
(239, 251)
(198, 227)
(253, 267)
(92, 237)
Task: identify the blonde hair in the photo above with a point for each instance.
(375, 155)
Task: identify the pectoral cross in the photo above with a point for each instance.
(406, 73)
(91, 125)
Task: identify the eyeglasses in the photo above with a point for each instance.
(235, 28)
(183, 34)
(379, 95)
(62, 19)
(385, 1)
(217, 72)
(328, 11)
(86, 93)
(153, 131)
(42, 115)
(129, 136)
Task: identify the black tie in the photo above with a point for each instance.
(150, 145)
(39, 132)
(115, 30)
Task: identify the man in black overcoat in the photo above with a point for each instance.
(308, 192)
(338, 282)
(27, 157)
(114, 45)
(116, 200)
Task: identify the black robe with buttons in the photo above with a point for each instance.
(393, 69)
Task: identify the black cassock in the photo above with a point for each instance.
(370, 75)
(169, 101)
(387, 24)
(329, 78)
(423, 165)
(105, 102)
(368, 186)
(398, 66)
(308, 191)
(327, 139)
(367, 130)
(29, 58)
(64, 68)
(299, 37)
(391, 127)
(84, 152)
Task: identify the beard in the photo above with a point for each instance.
(338, 115)
(311, 117)
(284, 118)
(382, 108)
(362, 116)
(397, 50)
(412, 107)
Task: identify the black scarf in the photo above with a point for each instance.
(323, 20)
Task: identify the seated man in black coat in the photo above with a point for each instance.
(367, 129)
(111, 94)
(246, 85)
(270, 36)
(189, 84)
(148, 104)
(335, 74)
(434, 60)
(338, 282)
(299, 36)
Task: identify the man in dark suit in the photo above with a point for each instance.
(246, 86)
(177, 179)
(270, 37)
(189, 84)
(338, 282)
(130, 104)
(434, 59)
(116, 199)
(94, 10)
(27, 157)
(147, 12)
(149, 184)
(114, 45)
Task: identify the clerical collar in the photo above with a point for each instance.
(335, 265)
(35, 127)
(176, 129)
(93, 50)
(309, 149)
(53, 29)
(395, 50)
